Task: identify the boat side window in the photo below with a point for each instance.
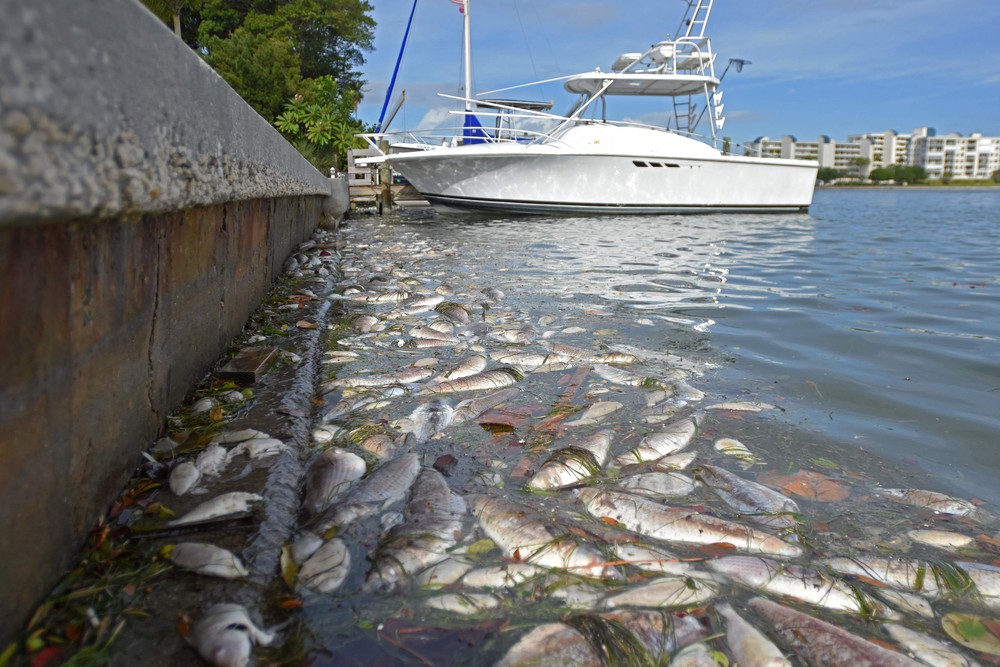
(639, 163)
(655, 164)
(673, 166)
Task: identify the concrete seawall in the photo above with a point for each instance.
(145, 209)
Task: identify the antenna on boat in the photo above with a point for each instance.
(738, 63)
(463, 6)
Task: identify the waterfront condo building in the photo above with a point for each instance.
(946, 156)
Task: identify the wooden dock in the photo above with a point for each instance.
(366, 189)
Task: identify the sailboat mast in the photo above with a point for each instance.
(468, 57)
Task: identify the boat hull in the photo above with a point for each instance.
(522, 181)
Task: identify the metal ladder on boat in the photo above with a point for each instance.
(692, 28)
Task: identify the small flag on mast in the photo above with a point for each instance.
(461, 5)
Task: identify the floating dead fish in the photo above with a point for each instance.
(203, 405)
(736, 449)
(472, 366)
(325, 433)
(211, 461)
(224, 505)
(453, 311)
(669, 440)
(381, 297)
(626, 637)
(305, 545)
(430, 418)
(909, 574)
(524, 536)
(928, 650)
(595, 413)
(442, 573)
(465, 604)
(931, 500)
(650, 558)
(619, 358)
(527, 361)
(941, 539)
(758, 502)
(365, 323)
(503, 576)
(380, 445)
(259, 448)
(421, 304)
(569, 466)
(327, 568)
(748, 644)
(908, 602)
(519, 335)
(183, 477)
(492, 293)
(986, 578)
(794, 581)
(485, 381)
(658, 484)
(331, 475)
(224, 636)
(619, 376)
(739, 406)
(695, 655)
(207, 559)
(233, 437)
(431, 525)
(680, 525)
(675, 462)
(664, 592)
(823, 643)
(387, 484)
(426, 333)
(385, 380)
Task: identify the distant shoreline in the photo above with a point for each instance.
(908, 187)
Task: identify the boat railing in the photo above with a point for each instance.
(680, 56)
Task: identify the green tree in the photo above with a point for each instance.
(858, 165)
(321, 125)
(996, 176)
(881, 174)
(173, 12)
(908, 174)
(827, 174)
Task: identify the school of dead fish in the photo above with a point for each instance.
(651, 539)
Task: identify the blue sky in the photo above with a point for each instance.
(820, 67)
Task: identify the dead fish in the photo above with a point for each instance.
(325, 433)
(986, 578)
(443, 573)
(896, 571)
(305, 545)
(430, 418)
(453, 311)
(749, 645)
(675, 462)
(658, 484)
(183, 477)
(823, 643)
(527, 361)
(327, 568)
(427, 333)
(207, 559)
(387, 484)
(524, 536)
(619, 358)
(384, 380)
(365, 323)
(941, 539)
(431, 525)
(258, 448)
(619, 376)
(492, 293)
(331, 475)
(931, 500)
(695, 655)
(487, 380)
(736, 449)
(908, 602)
(671, 591)
(381, 297)
(794, 581)
(203, 405)
(928, 650)
(211, 461)
(680, 525)
(225, 635)
(654, 635)
(572, 465)
(471, 408)
(756, 501)
(742, 406)
(650, 558)
(507, 575)
(420, 304)
(233, 437)
(379, 444)
(670, 440)
(595, 413)
(224, 505)
(472, 366)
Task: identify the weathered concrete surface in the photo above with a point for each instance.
(144, 212)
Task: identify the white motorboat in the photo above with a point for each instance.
(584, 163)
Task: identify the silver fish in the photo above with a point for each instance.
(430, 418)
(658, 484)
(183, 477)
(675, 462)
(928, 650)
(749, 645)
(443, 573)
(420, 304)
(330, 475)
(897, 571)
(384, 380)
(736, 449)
(595, 413)
(497, 378)
(620, 358)
(365, 323)
(507, 575)
(664, 592)
(619, 376)
(695, 655)
(431, 525)
(986, 578)
(680, 525)
(670, 440)
(427, 333)
(387, 484)
(822, 643)
(327, 568)
(942, 539)
(454, 312)
(381, 297)
(211, 461)
(207, 559)
(794, 581)
(527, 361)
(225, 635)
(524, 536)
(233, 437)
(742, 406)
(465, 604)
(224, 505)
(756, 501)
(472, 366)
(650, 558)
(258, 448)
(931, 500)
(576, 643)
(572, 465)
